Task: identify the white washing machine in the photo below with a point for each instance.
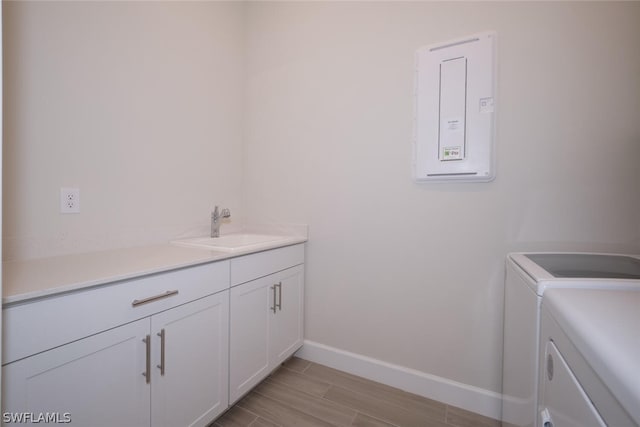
(590, 358)
(528, 276)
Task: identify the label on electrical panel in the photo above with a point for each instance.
(452, 153)
(486, 105)
(454, 125)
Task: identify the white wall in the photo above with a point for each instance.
(138, 104)
(412, 274)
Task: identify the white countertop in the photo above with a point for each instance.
(28, 279)
(604, 326)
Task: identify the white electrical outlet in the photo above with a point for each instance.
(69, 200)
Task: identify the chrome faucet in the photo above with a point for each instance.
(216, 216)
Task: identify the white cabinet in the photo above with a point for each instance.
(189, 380)
(60, 319)
(162, 350)
(97, 381)
(169, 368)
(286, 318)
(249, 347)
(266, 325)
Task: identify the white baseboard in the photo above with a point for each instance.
(471, 398)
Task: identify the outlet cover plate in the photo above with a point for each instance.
(69, 200)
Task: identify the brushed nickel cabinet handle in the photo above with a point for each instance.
(138, 302)
(147, 373)
(161, 365)
(273, 288)
(279, 285)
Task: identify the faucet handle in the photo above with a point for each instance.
(226, 213)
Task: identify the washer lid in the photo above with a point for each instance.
(593, 266)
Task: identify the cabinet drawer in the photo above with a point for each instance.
(43, 324)
(250, 267)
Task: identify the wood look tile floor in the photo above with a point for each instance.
(305, 394)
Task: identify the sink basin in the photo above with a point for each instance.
(234, 242)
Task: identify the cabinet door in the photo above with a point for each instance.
(97, 381)
(190, 379)
(249, 333)
(286, 330)
(266, 327)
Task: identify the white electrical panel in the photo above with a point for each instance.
(454, 121)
